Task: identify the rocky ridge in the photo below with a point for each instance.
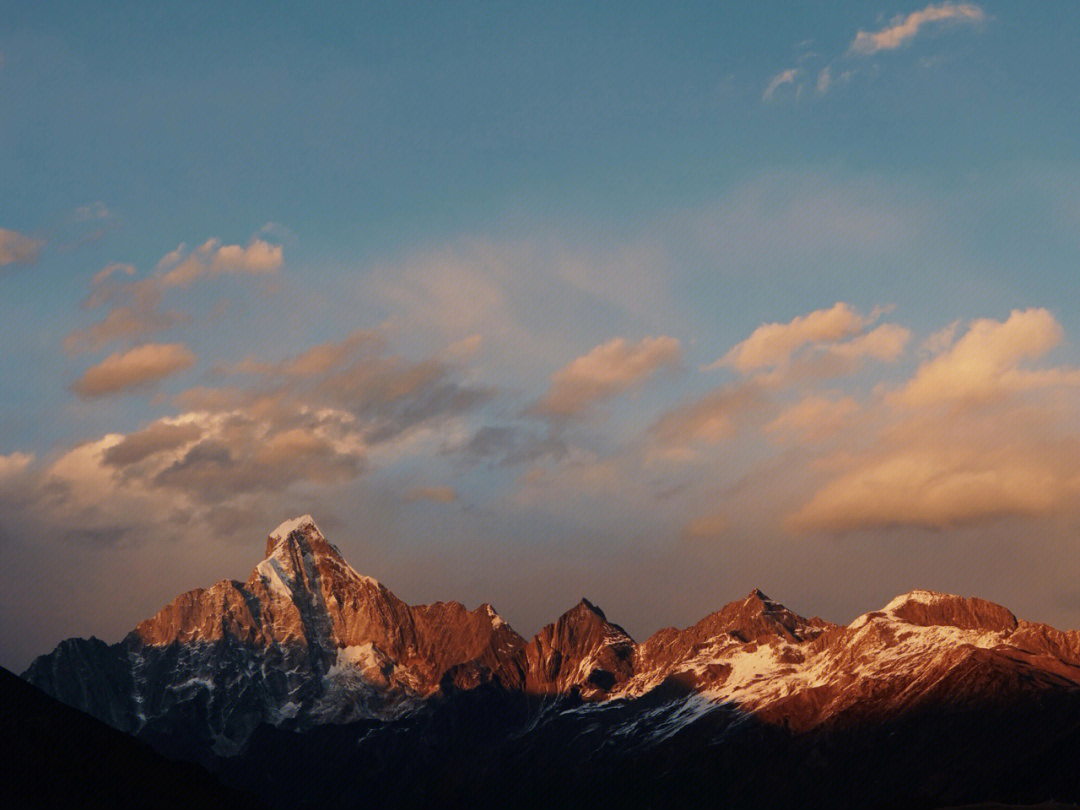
(306, 641)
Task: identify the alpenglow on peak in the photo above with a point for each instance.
(289, 526)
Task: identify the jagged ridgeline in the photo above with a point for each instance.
(307, 647)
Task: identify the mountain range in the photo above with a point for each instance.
(308, 666)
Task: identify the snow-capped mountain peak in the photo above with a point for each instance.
(296, 524)
(307, 640)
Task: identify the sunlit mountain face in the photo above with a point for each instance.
(647, 305)
(437, 702)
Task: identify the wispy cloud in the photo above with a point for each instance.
(606, 370)
(135, 304)
(824, 80)
(814, 418)
(842, 68)
(776, 82)
(18, 248)
(903, 29)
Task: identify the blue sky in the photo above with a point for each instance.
(471, 284)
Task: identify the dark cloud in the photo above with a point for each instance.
(154, 439)
(506, 445)
(243, 460)
(385, 394)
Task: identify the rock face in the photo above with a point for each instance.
(582, 651)
(304, 640)
(307, 641)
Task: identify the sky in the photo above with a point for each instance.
(649, 303)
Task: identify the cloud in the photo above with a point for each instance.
(17, 248)
(386, 395)
(900, 31)
(783, 77)
(182, 269)
(92, 211)
(237, 455)
(123, 323)
(158, 437)
(110, 270)
(606, 370)
(938, 486)
(316, 360)
(887, 342)
(706, 527)
(437, 494)
(940, 340)
(984, 364)
(814, 417)
(297, 427)
(824, 80)
(140, 367)
(511, 444)
(709, 419)
(134, 310)
(521, 303)
(903, 29)
(772, 344)
(14, 463)
(135, 305)
(992, 453)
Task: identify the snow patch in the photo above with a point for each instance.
(274, 578)
(920, 597)
(361, 656)
(497, 621)
(289, 526)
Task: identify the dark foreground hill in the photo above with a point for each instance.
(53, 756)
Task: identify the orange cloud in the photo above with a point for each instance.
(992, 453)
(783, 77)
(814, 417)
(212, 258)
(14, 463)
(887, 342)
(984, 364)
(606, 370)
(937, 487)
(773, 344)
(903, 29)
(18, 248)
(709, 419)
(136, 368)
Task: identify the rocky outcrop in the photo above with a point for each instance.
(581, 651)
